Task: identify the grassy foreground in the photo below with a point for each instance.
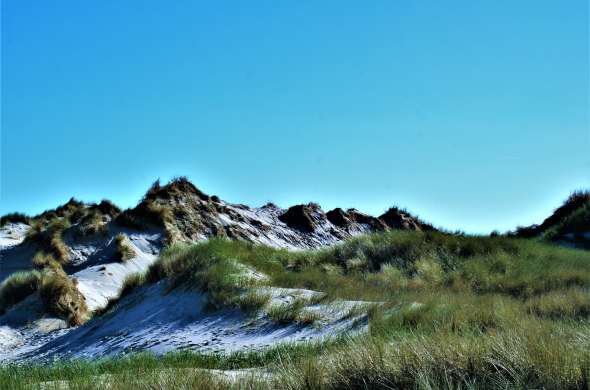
(459, 312)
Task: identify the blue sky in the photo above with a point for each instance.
(473, 115)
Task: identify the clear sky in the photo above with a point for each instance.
(472, 114)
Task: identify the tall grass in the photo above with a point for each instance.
(202, 266)
(14, 218)
(17, 287)
(49, 238)
(455, 312)
(124, 251)
(61, 297)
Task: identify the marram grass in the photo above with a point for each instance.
(455, 312)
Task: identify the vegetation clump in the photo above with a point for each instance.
(568, 222)
(91, 223)
(17, 287)
(252, 301)
(204, 267)
(124, 250)
(49, 238)
(14, 218)
(62, 298)
(287, 312)
(396, 218)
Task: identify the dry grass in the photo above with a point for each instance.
(49, 238)
(92, 223)
(17, 287)
(308, 317)
(61, 297)
(14, 218)
(124, 250)
(42, 260)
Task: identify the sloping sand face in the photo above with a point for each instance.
(153, 319)
(12, 234)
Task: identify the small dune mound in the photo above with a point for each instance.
(338, 217)
(299, 217)
(176, 187)
(180, 208)
(399, 219)
(569, 224)
(375, 224)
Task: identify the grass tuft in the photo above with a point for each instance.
(253, 301)
(61, 297)
(124, 249)
(17, 287)
(14, 218)
(288, 312)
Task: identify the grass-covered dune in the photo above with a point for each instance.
(569, 223)
(457, 312)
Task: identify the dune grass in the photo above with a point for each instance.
(204, 267)
(124, 251)
(58, 293)
(456, 312)
(287, 312)
(252, 301)
(49, 238)
(61, 297)
(17, 287)
(93, 221)
(14, 218)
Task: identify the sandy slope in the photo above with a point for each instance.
(151, 318)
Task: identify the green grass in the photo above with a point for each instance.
(252, 301)
(203, 266)
(146, 370)
(456, 312)
(287, 312)
(561, 304)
